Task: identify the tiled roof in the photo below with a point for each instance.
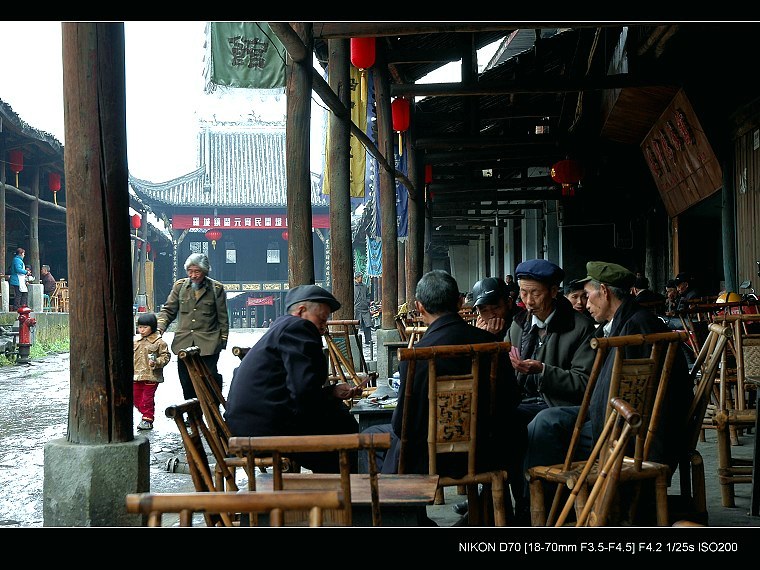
(240, 165)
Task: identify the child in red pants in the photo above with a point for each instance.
(151, 354)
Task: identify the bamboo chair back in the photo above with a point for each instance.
(341, 338)
(154, 505)
(189, 419)
(642, 382)
(279, 447)
(414, 334)
(623, 422)
(453, 418)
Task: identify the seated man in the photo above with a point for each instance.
(612, 306)
(437, 300)
(645, 296)
(279, 387)
(493, 305)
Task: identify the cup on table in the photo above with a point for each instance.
(394, 383)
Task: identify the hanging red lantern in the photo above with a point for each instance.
(400, 111)
(147, 248)
(285, 235)
(136, 222)
(213, 236)
(54, 183)
(428, 173)
(567, 173)
(363, 57)
(17, 162)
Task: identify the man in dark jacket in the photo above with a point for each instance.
(437, 300)
(611, 305)
(279, 387)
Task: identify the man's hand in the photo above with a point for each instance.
(528, 366)
(344, 391)
(494, 325)
(223, 344)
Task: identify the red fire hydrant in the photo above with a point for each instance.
(25, 326)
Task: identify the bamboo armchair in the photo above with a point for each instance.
(733, 413)
(643, 383)
(453, 420)
(279, 447)
(226, 506)
(342, 340)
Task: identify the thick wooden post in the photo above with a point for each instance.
(341, 251)
(416, 222)
(387, 196)
(3, 226)
(297, 129)
(33, 255)
(100, 404)
(142, 254)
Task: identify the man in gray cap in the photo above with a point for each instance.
(279, 387)
(200, 304)
(608, 286)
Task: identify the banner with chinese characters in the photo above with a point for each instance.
(256, 301)
(358, 156)
(242, 221)
(680, 157)
(245, 54)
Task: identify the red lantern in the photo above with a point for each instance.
(428, 173)
(568, 173)
(147, 248)
(400, 110)
(17, 162)
(363, 57)
(54, 183)
(285, 235)
(213, 236)
(136, 222)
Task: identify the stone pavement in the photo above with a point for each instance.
(35, 407)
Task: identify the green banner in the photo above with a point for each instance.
(246, 54)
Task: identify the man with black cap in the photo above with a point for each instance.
(493, 306)
(610, 303)
(200, 305)
(645, 296)
(279, 387)
(576, 294)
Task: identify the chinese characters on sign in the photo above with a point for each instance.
(242, 221)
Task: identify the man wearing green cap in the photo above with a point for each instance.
(611, 305)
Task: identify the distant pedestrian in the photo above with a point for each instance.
(151, 354)
(18, 280)
(361, 307)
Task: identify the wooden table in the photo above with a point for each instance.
(368, 414)
(401, 496)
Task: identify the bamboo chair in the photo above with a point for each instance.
(692, 501)
(642, 382)
(453, 421)
(279, 447)
(414, 334)
(154, 505)
(212, 403)
(340, 337)
(623, 422)
(734, 413)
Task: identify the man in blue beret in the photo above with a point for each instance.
(280, 386)
(608, 286)
(551, 353)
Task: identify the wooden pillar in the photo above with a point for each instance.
(101, 327)
(3, 225)
(341, 251)
(297, 134)
(33, 255)
(416, 220)
(387, 195)
(401, 272)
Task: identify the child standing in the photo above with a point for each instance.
(151, 354)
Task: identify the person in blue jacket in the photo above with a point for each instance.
(17, 280)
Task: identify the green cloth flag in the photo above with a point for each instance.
(246, 54)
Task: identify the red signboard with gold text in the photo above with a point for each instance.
(242, 221)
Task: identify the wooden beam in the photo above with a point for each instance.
(469, 196)
(484, 142)
(530, 85)
(440, 188)
(517, 155)
(327, 30)
(443, 55)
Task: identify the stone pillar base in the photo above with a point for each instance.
(383, 336)
(87, 485)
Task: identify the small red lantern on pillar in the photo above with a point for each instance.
(400, 111)
(136, 222)
(363, 57)
(213, 236)
(54, 183)
(16, 162)
(285, 235)
(568, 173)
(428, 177)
